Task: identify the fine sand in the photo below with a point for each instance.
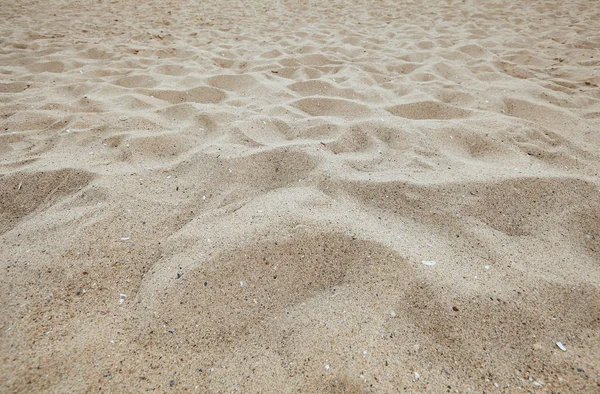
(300, 196)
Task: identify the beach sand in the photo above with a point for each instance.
(300, 196)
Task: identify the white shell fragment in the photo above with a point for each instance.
(429, 263)
(561, 346)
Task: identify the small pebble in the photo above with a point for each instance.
(171, 383)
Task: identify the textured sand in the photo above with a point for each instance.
(263, 180)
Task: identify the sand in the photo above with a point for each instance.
(300, 196)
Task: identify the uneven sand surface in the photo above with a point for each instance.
(228, 196)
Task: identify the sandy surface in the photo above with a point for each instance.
(300, 196)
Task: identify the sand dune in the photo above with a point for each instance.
(300, 196)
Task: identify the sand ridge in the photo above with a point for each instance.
(226, 196)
